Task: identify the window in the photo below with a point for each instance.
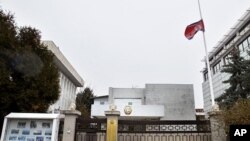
(102, 102)
(221, 64)
(248, 39)
(226, 59)
(216, 68)
(130, 103)
(244, 47)
(245, 44)
(205, 76)
(240, 47)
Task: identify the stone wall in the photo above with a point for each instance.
(178, 100)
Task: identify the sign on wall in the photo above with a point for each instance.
(30, 127)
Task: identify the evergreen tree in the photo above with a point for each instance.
(84, 100)
(7, 50)
(29, 79)
(236, 67)
(246, 77)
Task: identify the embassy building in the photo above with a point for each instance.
(237, 38)
(153, 102)
(69, 79)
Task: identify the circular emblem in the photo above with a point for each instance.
(127, 110)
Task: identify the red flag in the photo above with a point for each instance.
(193, 28)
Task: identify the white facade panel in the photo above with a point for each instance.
(146, 111)
(128, 101)
(69, 79)
(101, 101)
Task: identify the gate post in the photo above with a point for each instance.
(70, 124)
(217, 126)
(112, 124)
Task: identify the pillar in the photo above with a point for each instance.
(217, 126)
(112, 125)
(69, 124)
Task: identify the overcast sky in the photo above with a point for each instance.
(127, 43)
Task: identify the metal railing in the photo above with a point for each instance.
(162, 126)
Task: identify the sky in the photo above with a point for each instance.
(130, 43)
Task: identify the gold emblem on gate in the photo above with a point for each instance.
(127, 110)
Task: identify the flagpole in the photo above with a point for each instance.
(208, 65)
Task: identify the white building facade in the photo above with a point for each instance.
(238, 37)
(154, 102)
(69, 79)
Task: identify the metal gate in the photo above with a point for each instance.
(134, 130)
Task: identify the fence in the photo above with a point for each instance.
(132, 130)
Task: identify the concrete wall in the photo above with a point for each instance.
(128, 101)
(178, 100)
(129, 93)
(138, 111)
(98, 101)
(164, 101)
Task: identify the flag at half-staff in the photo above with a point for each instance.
(190, 31)
(193, 28)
